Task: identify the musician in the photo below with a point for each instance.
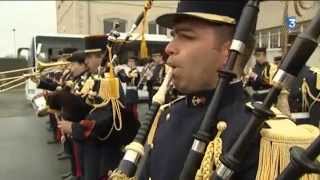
(257, 78)
(157, 75)
(56, 79)
(71, 107)
(131, 77)
(304, 105)
(101, 144)
(202, 34)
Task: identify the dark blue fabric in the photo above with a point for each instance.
(47, 84)
(295, 97)
(260, 83)
(174, 138)
(229, 8)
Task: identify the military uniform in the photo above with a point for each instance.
(186, 116)
(50, 84)
(156, 79)
(131, 78)
(303, 107)
(100, 141)
(259, 83)
(73, 108)
(174, 135)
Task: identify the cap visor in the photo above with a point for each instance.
(168, 20)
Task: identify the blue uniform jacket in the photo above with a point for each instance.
(173, 138)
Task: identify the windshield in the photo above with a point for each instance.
(46, 48)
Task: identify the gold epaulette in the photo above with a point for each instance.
(275, 144)
(157, 117)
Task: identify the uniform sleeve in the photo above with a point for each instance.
(259, 83)
(77, 131)
(97, 124)
(123, 76)
(47, 85)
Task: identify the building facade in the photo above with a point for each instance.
(97, 17)
(271, 20)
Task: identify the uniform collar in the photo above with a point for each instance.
(203, 98)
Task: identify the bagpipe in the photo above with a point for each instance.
(103, 90)
(293, 62)
(65, 98)
(135, 150)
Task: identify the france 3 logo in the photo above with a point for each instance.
(291, 23)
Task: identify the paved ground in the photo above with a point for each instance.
(24, 153)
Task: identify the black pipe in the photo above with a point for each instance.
(126, 166)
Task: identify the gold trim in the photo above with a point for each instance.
(275, 145)
(92, 50)
(212, 17)
(167, 20)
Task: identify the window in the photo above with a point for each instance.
(263, 38)
(152, 28)
(162, 30)
(275, 38)
(156, 29)
(110, 23)
(270, 38)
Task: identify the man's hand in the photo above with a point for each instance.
(65, 126)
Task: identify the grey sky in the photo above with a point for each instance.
(28, 18)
